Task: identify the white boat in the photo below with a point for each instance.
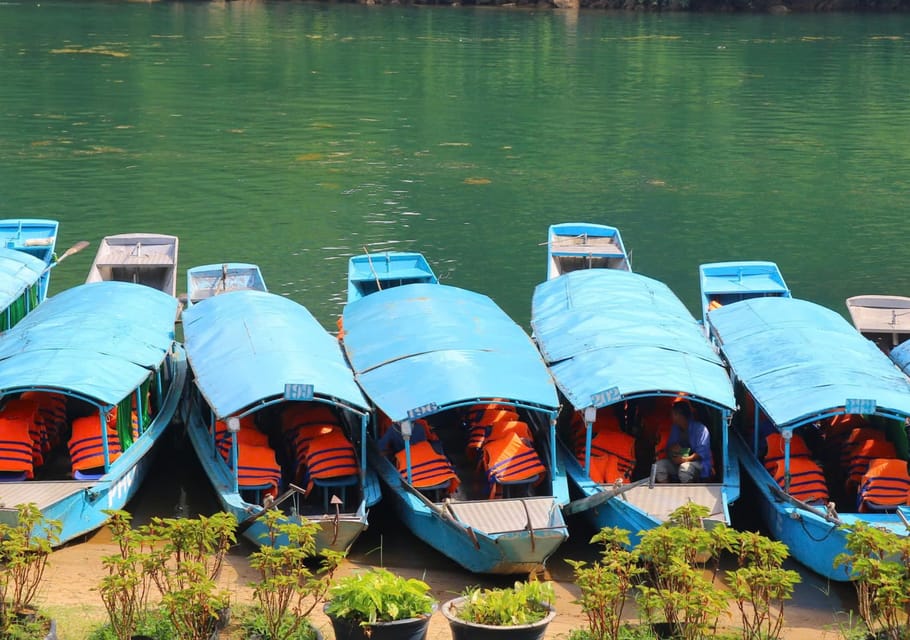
(883, 319)
(149, 259)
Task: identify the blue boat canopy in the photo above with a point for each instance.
(901, 356)
(606, 329)
(801, 361)
(430, 345)
(98, 340)
(245, 346)
(18, 271)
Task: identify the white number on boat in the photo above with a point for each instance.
(298, 392)
(120, 490)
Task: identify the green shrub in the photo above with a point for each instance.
(524, 603)
(379, 596)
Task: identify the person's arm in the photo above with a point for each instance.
(702, 447)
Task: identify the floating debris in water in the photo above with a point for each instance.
(98, 51)
(309, 157)
(454, 144)
(477, 181)
(886, 37)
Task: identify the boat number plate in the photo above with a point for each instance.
(607, 397)
(425, 410)
(298, 392)
(860, 406)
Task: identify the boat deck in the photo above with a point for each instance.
(503, 516)
(585, 244)
(663, 499)
(880, 314)
(42, 493)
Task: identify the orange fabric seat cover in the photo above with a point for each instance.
(86, 445)
(15, 446)
(429, 468)
(885, 483)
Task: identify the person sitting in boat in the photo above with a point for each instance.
(688, 448)
(392, 441)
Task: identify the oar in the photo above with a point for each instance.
(76, 248)
(601, 497)
(796, 502)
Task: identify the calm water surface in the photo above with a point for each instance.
(294, 135)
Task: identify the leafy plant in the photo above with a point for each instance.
(378, 595)
(605, 585)
(194, 607)
(879, 562)
(679, 586)
(287, 591)
(24, 551)
(525, 603)
(153, 623)
(761, 585)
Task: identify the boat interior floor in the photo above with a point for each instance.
(42, 493)
(502, 516)
(663, 499)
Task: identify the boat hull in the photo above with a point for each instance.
(812, 540)
(337, 534)
(79, 506)
(502, 553)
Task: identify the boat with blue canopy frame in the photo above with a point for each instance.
(269, 388)
(726, 282)
(583, 245)
(210, 280)
(20, 288)
(36, 237)
(436, 361)
(622, 348)
(822, 434)
(89, 383)
(373, 272)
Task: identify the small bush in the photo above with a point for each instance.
(524, 603)
(378, 595)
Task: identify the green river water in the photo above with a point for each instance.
(294, 135)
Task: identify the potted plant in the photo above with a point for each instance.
(380, 605)
(520, 613)
(287, 590)
(24, 551)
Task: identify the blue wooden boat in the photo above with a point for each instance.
(373, 272)
(20, 275)
(429, 351)
(813, 381)
(254, 357)
(214, 279)
(615, 341)
(35, 237)
(97, 354)
(581, 245)
(725, 282)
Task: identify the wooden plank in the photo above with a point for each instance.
(41, 493)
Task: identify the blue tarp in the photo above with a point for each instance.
(800, 360)
(901, 356)
(419, 344)
(600, 329)
(244, 346)
(98, 340)
(18, 271)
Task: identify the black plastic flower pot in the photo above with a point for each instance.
(409, 629)
(464, 630)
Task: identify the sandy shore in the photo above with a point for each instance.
(69, 592)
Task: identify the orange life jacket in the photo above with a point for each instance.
(714, 304)
(863, 454)
(248, 435)
(510, 459)
(885, 484)
(839, 427)
(329, 455)
(15, 446)
(52, 407)
(854, 439)
(483, 424)
(256, 466)
(807, 482)
(28, 411)
(775, 443)
(607, 469)
(663, 441)
(614, 444)
(428, 467)
(340, 325)
(86, 445)
(298, 414)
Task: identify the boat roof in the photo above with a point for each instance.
(245, 346)
(880, 314)
(901, 356)
(18, 271)
(430, 346)
(603, 329)
(203, 280)
(801, 361)
(98, 340)
(375, 271)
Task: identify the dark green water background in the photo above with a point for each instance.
(294, 135)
